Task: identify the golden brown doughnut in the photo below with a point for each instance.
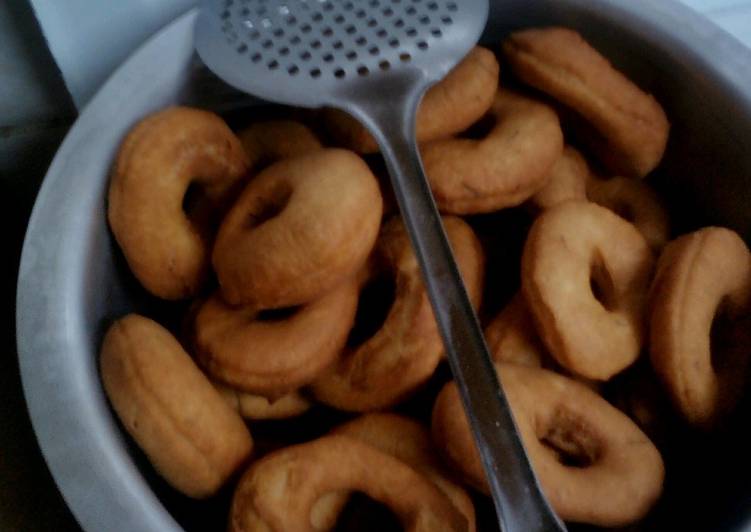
(594, 464)
(300, 227)
(504, 168)
(567, 180)
(699, 302)
(450, 106)
(251, 406)
(273, 140)
(161, 158)
(188, 432)
(512, 338)
(631, 126)
(278, 492)
(637, 203)
(404, 352)
(574, 250)
(276, 356)
(410, 442)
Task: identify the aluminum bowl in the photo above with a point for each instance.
(72, 283)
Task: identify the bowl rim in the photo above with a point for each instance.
(45, 325)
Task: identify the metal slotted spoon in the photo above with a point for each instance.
(375, 59)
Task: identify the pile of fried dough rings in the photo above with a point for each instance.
(272, 234)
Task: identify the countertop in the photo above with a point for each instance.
(36, 109)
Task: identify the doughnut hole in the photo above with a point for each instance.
(481, 128)
(625, 211)
(277, 314)
(269, 206)
(376, 299)
(569, 438)
(365, 515)
(601, 283)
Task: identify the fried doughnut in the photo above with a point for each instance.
(699, 304)
(637, 203)
(450, 106)
(161, 158)
(410, 442)
(188, 432)
(567, 181)
(301, 226)
(512, 338)
(278, 492)
(631, 127)
(585, 277)
(404, 352)
(594, 464)
(271, 141)
(504, 168)
(275, 356)
(251, 406)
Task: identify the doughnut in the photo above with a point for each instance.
(274, 356)
(567, 181)
(629, 127)
(410, 442)
(188, 432)
(404, 352)
(699, 307)
(593, 463)
(512, 338)
(167, 162)
(251, 406)
(273, 140)
(501, 169)
(278, 492)
(585, 278)
(450, 106)
(300, 227)
(635, 202)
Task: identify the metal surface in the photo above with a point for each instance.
(72, 282)
(375, 60)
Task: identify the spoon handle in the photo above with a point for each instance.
(518, 499)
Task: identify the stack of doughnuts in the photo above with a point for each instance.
(301, 299)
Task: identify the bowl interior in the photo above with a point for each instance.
(73, 282)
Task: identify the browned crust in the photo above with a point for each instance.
(559, 62)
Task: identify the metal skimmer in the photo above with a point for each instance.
(374, 59)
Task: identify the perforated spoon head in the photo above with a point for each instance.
(313, 53)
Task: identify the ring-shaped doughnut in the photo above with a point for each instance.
(300, 227)
(160, 159)
(703, 279)
(636, 202)
(273, 357)
(188, 432)
(410, 442)
(594, 464)
(502, 169)
(585, 277)
(405, 351)
(567, 181)
(279, 491)
(630, 126)
(450, 106)
(252, 406)
(273, 140)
